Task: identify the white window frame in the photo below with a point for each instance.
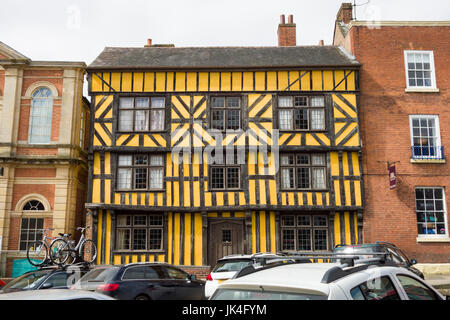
(444, 207)
(433, 73)
(438, 146)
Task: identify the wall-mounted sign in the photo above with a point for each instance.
(392, 177)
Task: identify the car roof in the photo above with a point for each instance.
(290, 276)
(53, 294)
(248, 256)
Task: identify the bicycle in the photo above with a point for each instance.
(61, 250)
(38, 251)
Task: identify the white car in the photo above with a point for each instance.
(54, 294)
(327, 281)
(228, 266)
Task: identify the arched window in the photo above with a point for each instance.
(41, 116)
(33, 205)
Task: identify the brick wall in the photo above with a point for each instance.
(385, 107)
(201, 272)
(21, 190)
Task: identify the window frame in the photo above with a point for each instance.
(38, 232)
(438, 145)
(147, 227)
(308, 107)
(444, 209)
(224, 109)
(148, 166)
(148, 109)
(296, 227)
(225, 167)
(310, 166)
(48, 115)
(432, 69)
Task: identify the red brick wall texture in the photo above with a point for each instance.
(385, 107)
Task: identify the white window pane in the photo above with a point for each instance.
(126, 121)
(284, 101)
(124, 178)
(126, 103)
(287, 178)
(157, 120)
(158, 102)
(426, 58)
(125, 160)
(317, 119)
(142, 102)
(318, 159)
(410, 57)
(156, 178)
(141, 120)
(318, 177)
(156, 160)
(285, 119)
(317, 101)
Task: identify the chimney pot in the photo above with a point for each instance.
(149, 42)
(321, 43)
(282, 19)
(290, 19)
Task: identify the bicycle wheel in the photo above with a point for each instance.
(37, 253)
(59, 251)
(88, 251)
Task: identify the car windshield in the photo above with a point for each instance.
(26, 281)
(239, 294)
(99, 274)
(231, 265)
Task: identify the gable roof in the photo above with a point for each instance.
(9, 54)
(223, 57)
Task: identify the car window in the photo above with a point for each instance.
(376, 289)
(26, 281)
(176, 274)
(152, 273)
(357, 294)
(231, 265)
(58, 280)
(100, 274)
(416, 290)
(134, 273)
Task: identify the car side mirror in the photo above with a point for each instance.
(192, 277)
(413, 261)
(47, 285)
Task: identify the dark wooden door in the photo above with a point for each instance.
(225, 237)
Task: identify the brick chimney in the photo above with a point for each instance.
(345, 13)
(287, 32)
(149, 43)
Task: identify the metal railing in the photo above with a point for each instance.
(427, 152)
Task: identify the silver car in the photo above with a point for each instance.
(54, 294)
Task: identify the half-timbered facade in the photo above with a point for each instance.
(201, 152)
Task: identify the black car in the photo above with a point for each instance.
(393, 253)
(45, 278)
(142, 281)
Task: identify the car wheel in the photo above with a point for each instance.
(142, 297)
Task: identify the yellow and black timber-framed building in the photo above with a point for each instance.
(292, 112)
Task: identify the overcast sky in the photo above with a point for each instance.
(78, 30)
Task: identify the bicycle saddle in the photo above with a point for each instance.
(65, 234)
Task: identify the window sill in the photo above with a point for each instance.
(422, 90)
(427, 160)
(433, 239)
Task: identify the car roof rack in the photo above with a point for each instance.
(352, 262)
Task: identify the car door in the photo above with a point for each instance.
(414, 289)
(133, 283)
(158, 286)
(186, 289)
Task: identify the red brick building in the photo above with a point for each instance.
(43, 151)
(405, 121)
